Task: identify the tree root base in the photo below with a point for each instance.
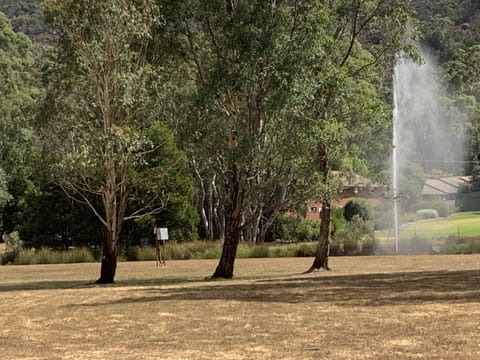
(312, 269)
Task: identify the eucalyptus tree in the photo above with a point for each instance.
(18, 93)
(101, 126)
(347, 110)
(246, 63)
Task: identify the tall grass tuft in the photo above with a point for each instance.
(47, 256)
(252, 251)
(140, 253)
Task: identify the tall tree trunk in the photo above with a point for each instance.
(109, 259)
(232, 238)
(114, 199)
(321, 257)
(323, 250)
(235, 190)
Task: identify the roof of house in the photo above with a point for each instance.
(445, 185)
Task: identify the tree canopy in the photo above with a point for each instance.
(212, 117)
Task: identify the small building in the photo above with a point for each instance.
(445, 188)
(354, 186)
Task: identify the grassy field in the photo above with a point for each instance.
(399, 307)
(465, 224)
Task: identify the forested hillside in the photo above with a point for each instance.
(449, 25)
(27, 17)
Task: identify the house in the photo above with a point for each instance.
(354, 186)
(445, 188)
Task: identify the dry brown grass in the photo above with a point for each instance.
(404, 307)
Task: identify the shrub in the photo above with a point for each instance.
(423, 214)
(357, 207)
(13, 241)
(354, 237)
(338, 220)
(369, 246)
(442, 207)
(8, 257)
(296, 229)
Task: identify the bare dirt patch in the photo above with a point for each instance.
(403, 307)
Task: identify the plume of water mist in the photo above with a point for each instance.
(425, 133)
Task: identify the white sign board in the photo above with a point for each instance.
(162, 233)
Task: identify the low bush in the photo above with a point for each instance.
(357, 207)
(423, 214)
(355, 238)
(8, 257)
(13, 241)
(443, 208)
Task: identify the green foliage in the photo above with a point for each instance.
(13, 241)
(356, 237)
(4, 194)
(18, 93)
(423, 214)
(296, 229)
(357, 207)
(338, 220)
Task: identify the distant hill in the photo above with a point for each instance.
(446, 24)
(27, 17)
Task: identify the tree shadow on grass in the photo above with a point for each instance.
(82, 284)
(352, 290)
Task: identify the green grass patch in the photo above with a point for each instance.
(465, 224)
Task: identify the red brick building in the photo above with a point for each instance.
(354, 186)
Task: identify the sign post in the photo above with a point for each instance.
(161, 236)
